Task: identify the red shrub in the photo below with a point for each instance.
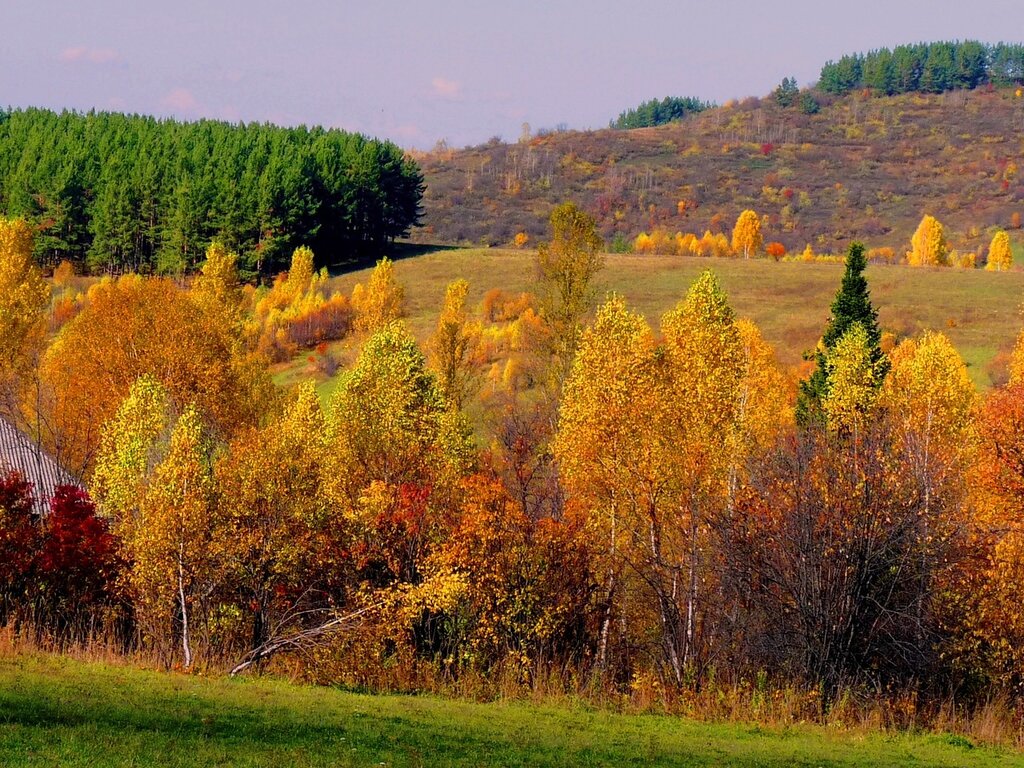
(78, 561)
(19, 539)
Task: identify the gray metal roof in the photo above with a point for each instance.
(20, 453)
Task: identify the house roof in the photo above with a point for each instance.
(20, 453)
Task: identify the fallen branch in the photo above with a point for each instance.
(298, 641)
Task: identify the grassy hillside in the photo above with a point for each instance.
(978, 310)
(55, 711)
(864, 167)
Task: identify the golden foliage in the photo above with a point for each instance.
(853, 382)
(1000, 257)
(454, 347)
(380, 301)
(928, 245)
(746, 234)
(296, 312)
(929, 395)
(132, 327)
(24, 299)
(386, 421)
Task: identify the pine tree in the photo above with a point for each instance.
(852, 304)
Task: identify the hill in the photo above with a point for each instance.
(62, 712)
(789, 301)
(864, 166)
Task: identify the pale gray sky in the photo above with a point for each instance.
(416, 72)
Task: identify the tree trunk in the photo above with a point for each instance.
(185, 645)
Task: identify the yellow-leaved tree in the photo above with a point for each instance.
(763, 405)
(453, 347)
(153, 481)
(132, 327)
(705, 367)
(178, 556)
(931, 400)
(928, 245)
(1017, 361)
(612, 454)
(746, 234)
(853, 381)
(24, 299)
(131, 444)
(1000, 257)
(270, 489)
(217, 287)
(566, 268)
(380, 301)
(389, 431)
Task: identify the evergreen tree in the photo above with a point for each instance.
(852, 305)
(785, 94)
(122, 192)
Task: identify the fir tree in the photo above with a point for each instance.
(851, 305)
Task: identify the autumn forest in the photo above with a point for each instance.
(545, 490)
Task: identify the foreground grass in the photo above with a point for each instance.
(55, 711)
(979, 311)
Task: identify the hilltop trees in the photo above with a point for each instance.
(925, 67)
(786, 92)
(654, 112)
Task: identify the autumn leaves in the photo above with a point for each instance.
(646, 502)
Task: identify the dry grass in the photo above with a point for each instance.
(978, 310)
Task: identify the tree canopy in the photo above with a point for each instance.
(132, 193)
(927, 67)
(655, 112)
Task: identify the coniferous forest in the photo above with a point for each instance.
(118, 193)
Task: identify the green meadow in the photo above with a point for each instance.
(60, 712)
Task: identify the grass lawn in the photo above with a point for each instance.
(59, 712)
(978, 310)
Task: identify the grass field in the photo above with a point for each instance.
(978, 310)
(56, 711)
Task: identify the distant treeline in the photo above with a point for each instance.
(926, 67)
(655, 112)
(117, 192)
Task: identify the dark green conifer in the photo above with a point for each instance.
(852, 304)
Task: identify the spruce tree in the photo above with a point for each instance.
(851, 305)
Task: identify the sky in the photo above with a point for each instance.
(463, 72)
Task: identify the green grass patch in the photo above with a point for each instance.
(56, 711)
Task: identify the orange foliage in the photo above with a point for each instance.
(500, 306)
(135, 326)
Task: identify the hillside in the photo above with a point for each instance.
(863, 167)
(978, 310)
(63, 712)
